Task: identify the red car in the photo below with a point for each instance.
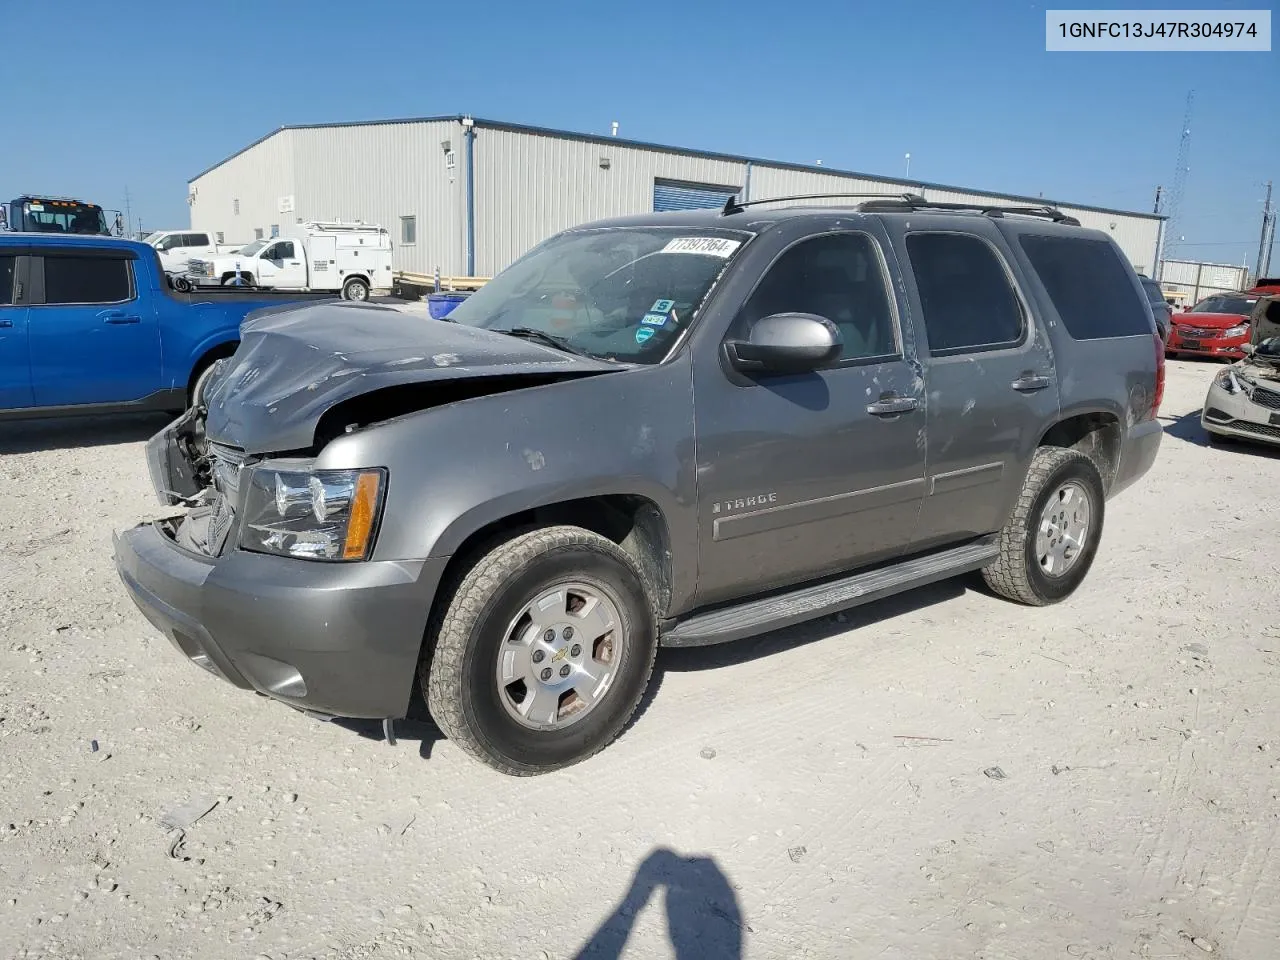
(1217, 326)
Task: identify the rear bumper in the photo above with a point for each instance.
(1137, 454)
(337, 639)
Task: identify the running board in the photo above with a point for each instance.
(806, 603)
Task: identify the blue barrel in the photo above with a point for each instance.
(440, 305)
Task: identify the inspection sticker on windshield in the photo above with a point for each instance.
(643, 334)
(654, 319)
(708, 246)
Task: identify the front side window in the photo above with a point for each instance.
(69, 280)
(8, 266)
(965, 294)
(408, 230)
(619, 293)
(1089, 285)
(837, 277)
(283, 250)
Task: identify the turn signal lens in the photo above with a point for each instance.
(364, 508)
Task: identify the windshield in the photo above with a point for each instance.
(620, 294)
(63, 216)
(152, 237)
(1241, 305)
(249, 249)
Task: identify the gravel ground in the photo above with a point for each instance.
(943, 774)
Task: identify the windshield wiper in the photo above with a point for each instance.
(546, 339)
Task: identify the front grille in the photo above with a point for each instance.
(227, 465)
(1200, 333)
(1266, 398)
(1261, 429)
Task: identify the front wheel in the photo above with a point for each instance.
(1049, 541)
(542, 653)
(355, 289)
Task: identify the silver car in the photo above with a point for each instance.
(1243, 401)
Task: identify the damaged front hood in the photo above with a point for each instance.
(294, 363)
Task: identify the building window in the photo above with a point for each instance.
(275, 229)
(408, 231)
(219, 236)
(235, 207)
(257, 233)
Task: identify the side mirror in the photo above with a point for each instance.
(786, 343)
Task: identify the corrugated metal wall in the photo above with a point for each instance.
(531, 185)
(1215, 276)
(377, 173)
(258, 178)
(382, 172)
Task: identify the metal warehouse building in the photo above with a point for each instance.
(467, 196)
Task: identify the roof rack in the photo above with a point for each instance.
(733, 205)
(912, 202)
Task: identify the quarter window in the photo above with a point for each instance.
(70, 280)
(965, 294)
(837, 276)
(1089, 285)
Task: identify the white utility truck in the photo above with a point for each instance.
(351, 258)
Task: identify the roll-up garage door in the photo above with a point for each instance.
(673, 195)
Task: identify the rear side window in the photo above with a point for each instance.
(968, 302)
(197, 239)
(1089, 286)
(7, 267)
(87, 280)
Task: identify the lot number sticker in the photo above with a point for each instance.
(707, 246)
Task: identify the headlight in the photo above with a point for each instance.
(319, 515)
(1237, 331)
(1229, 381)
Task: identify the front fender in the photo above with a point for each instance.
(455, 469)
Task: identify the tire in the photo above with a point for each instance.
(201, 382)
(246, 280)
(355, 289)
(460, 675)
(1018, 573)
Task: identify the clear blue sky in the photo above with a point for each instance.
(146, 95)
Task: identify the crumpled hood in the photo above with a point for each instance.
(297, 361)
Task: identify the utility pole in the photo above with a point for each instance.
(1268, 234)
(1182, 165)
(128, 213)
(1157, 267)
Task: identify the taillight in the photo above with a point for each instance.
(1158, 396)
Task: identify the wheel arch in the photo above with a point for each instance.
(636, 523)
(209, 356)
(1097, 433)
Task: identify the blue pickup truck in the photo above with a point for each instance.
(91, 324)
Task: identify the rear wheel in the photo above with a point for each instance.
(245, 280)
(542, 653)
(355, 289)
(1048, 543)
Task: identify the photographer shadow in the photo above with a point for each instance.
(703, 917)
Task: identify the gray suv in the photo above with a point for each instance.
(670, 429)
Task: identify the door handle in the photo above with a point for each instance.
(6, 323)
(1031, 383)
(889, 406)
(115, 316)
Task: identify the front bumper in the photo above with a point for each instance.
(1206, 347)
(1236, 415)
(339, 639)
